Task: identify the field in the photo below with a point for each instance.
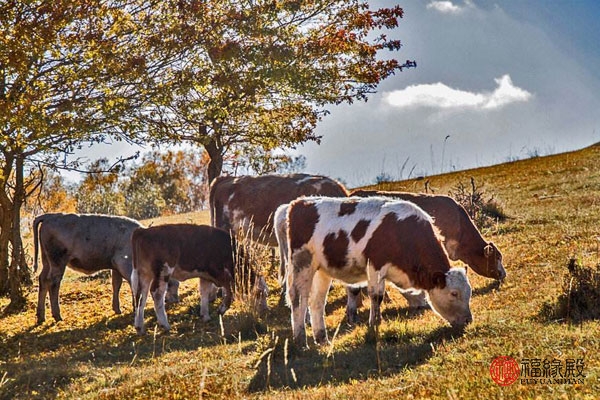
(553, 204)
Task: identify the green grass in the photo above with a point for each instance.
(553, 205)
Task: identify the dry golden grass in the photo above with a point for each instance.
(554, 209)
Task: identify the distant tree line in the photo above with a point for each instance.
(161, 183)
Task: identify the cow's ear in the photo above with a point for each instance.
(439, 279)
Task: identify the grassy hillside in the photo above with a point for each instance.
(554, 208)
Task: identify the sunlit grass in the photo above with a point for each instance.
(553, 209)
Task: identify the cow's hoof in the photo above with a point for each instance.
(117, 311)
(206, 318)
(321, 338)
(300, 342)
(140, 331)
(57, 318)
(222, 309)
(352, 316)
(372, 335)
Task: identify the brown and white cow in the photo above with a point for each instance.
(247, 203)
(462, 240)
(367, 239)
(87, 243)
(183, 251)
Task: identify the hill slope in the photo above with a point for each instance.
(554, 208)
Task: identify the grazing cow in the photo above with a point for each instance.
(87, 243)
(183, 251)
(249, 202)
(461, 238)
(356, 240)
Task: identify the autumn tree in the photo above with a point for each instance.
(98, 192)
(69, 73)
(263, 73)
(52, 195)
(253, 160)
(170, 182)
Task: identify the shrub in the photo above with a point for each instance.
(484, 212)
(579, 298)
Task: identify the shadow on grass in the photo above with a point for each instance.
(42, 361)
(489, 288)
(312, 368)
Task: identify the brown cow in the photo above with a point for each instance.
(87, 243)
(183, 251)
(369, 240)
(248, 203)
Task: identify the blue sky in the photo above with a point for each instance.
(503, 79)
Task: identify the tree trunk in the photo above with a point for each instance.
(4, 255)
(18, 272)
(5, 222)
(215, 165)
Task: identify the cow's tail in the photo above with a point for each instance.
(36, 222)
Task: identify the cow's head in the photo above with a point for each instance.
(451, 301)
(490, 265)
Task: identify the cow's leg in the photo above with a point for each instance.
(158, 290)
(117, 281)
(139, 285)
(205, 288)
(282, 271)
(227, 296)
(299, 281)
(212, 292)
(44, 284)
(57, 271)
(353, 303)
(376, 282)
(318, 297)
(172, 291)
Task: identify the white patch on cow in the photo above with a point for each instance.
(230, 198)
(304, 180)
(170, 269)
(226, 212)
(318, 186)
(457, 278)
(242, 222)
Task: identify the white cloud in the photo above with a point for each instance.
(446, 7)
(439, 95)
